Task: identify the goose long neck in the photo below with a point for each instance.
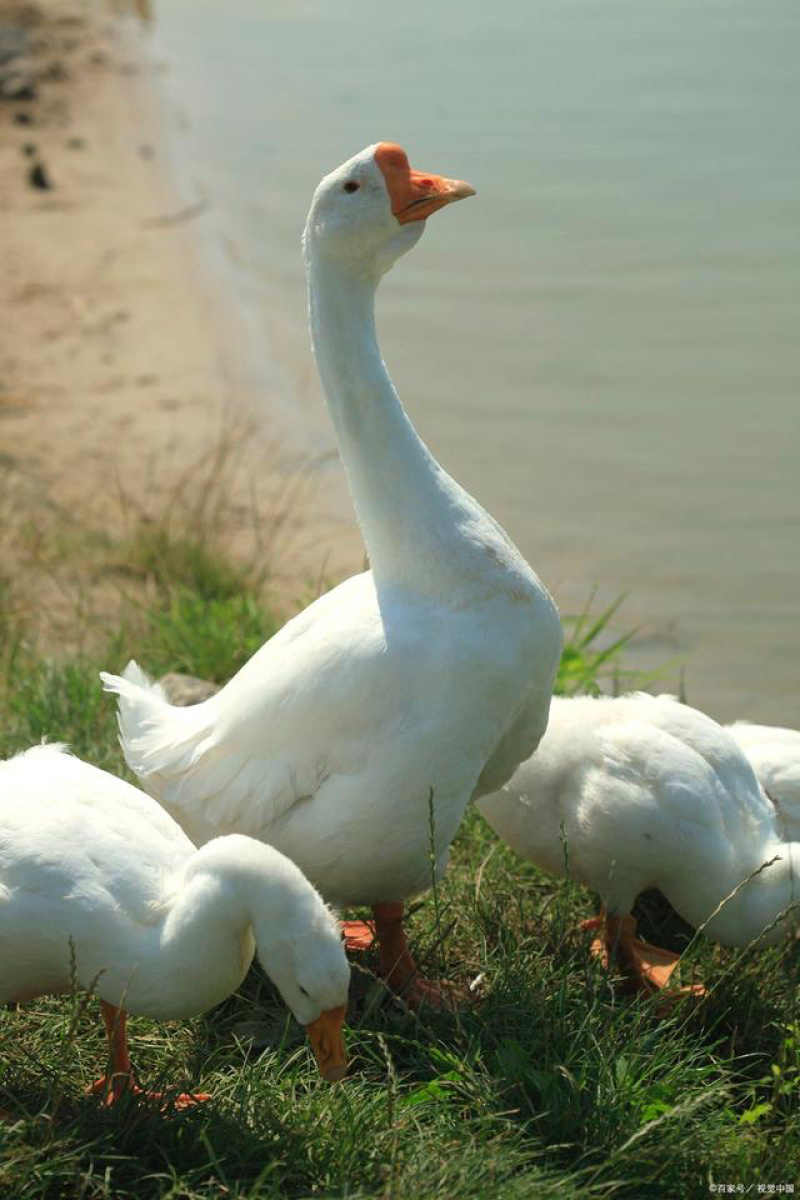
(772, 892)
(210, 912)
(227, 887)
(205, 939)
(399, 491)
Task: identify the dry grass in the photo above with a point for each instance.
(550, 1087)
(71, 580)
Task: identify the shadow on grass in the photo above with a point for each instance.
(549, 1086)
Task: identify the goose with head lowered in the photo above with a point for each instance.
(427, 676)
(100, 886)
(646, 792)
(774, 755)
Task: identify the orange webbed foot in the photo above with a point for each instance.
(111, 1091)
(643, 966)
(433, 994)
(358, 935)
(397, 966)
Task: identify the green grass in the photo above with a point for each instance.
(550, 1086)
(175, 560)
(203, 616)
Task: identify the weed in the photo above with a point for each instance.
(591, 652)
(550, 1087)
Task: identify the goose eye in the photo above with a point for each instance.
(303, 990)
(352, 185)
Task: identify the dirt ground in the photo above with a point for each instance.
(115, 388)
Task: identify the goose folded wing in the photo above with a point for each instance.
(303, 709)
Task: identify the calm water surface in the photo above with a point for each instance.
(603, 345)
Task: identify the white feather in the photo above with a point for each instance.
(91, 865)
(431, 672)
(647, 793)
(774, 755)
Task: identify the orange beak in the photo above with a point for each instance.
(327, 1042)
(415, 195)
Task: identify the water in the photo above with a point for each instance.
(603, 345)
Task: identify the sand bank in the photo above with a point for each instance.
(117, 375)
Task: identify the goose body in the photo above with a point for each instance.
(652, 793)
(429, 673)
(774, 755)
(92, 867)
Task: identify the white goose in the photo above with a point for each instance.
(432, 672)
(648, 792)
(162, 929)
(774, 755)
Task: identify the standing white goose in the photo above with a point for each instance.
(160, 928)
(648, 792)
(431, 672)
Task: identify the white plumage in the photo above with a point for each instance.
(774, 755)
(161, 928)
(652, 793)
(432, 671)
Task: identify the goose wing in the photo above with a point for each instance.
(315, 701)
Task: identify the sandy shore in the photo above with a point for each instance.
(111, 355)
(117, 376)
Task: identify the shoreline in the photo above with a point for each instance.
(89, 278)
(127, 361)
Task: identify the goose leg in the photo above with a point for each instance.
(398, 967)
(645, 968)
(120, 1079)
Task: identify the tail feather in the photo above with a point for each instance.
(159, 740)
(134, 674)
(209, 773)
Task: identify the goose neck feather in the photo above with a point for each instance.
(420, 527)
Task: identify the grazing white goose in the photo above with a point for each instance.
(774, 755)
(166, 930)
(651, 793)
(430, 672)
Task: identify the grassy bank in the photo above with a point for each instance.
(550, 1085)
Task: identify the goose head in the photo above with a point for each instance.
(372, 209)
(308, 966)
